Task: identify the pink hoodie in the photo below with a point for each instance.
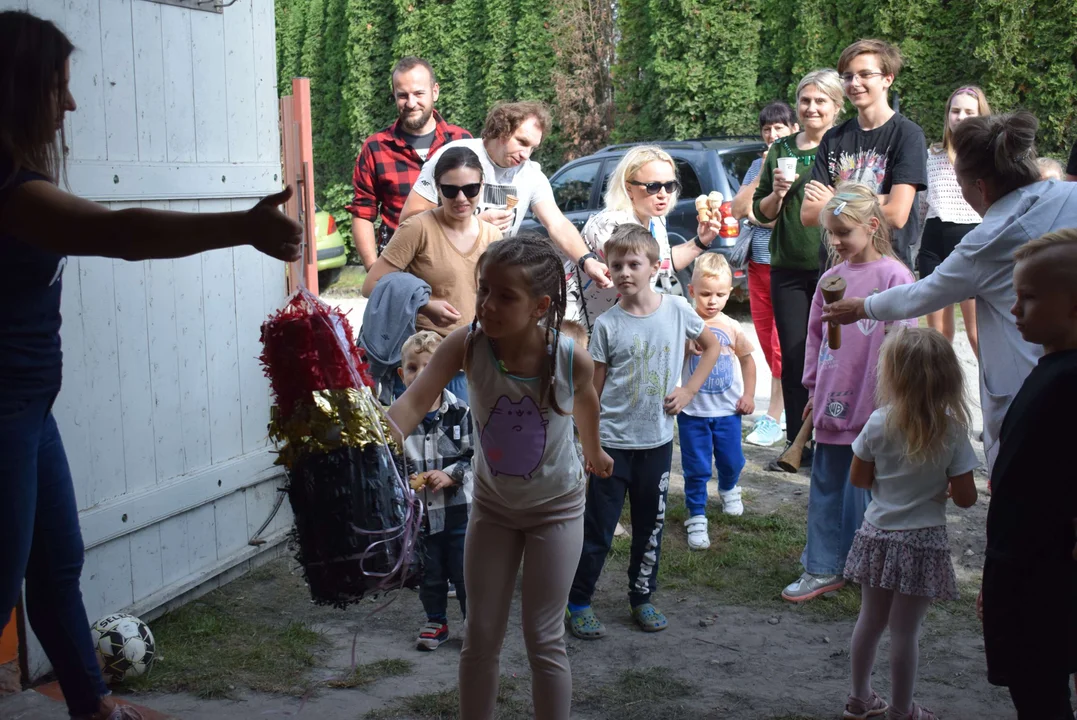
(842, 382)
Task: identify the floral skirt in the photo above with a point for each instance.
(911, 562)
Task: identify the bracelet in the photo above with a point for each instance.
(700, 245)
(584, 258)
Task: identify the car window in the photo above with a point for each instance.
(690, 187)
(736, 164)
(610, 167)
(572, 188)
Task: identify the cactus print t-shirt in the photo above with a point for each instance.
(720, 392)
(526, 453)
(643, 355)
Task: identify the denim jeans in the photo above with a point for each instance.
(702, 437)
(835, 510)
(444, 561)
(40, 541)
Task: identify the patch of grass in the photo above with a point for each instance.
(210, 647)
(751, 558)
(349, 283)
(372, 672)
(445, 705)
(644, 694)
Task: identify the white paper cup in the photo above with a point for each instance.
(788, 167)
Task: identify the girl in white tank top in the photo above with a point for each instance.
(526, 383)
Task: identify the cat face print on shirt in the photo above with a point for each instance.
(514, 439)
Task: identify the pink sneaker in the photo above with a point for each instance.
(857, 709)
(917, 713)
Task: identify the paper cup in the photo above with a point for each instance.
(788, 167)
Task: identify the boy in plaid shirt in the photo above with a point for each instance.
(439, 451)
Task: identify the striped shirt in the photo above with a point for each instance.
(760, 235)
(443, 441)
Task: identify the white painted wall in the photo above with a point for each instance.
(164, 406)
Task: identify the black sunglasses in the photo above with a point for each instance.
(653, 187)
(470, 190)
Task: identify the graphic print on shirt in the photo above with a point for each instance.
(721, 377)
(514, 439)
(866, 325)
(826, 358)
(494, 196)
(838, 404)
(863, 166)
(648, 376)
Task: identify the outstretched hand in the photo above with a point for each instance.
(597, 271)
(844, 312)
(271, 231)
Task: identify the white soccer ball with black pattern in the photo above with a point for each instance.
(125, 646)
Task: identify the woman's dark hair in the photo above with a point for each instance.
(545, 271)
(456, 158)
(999, 149)
(33, 53)
(777, 112)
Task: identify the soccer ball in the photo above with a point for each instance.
(125, 646)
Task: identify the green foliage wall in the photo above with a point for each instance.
(656, 69)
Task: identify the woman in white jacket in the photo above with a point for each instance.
(996, 168)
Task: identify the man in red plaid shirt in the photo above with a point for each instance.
(390, 160)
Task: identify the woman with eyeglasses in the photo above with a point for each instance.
(642, 190)
(879, 147)
(442, 247)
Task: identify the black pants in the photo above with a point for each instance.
(644, 476)
(791, 293)
(1042, 698)
(444, 561)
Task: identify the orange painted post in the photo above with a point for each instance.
(301, 98)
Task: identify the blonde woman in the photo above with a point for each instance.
(794, 248)
(949, 216)
(642, 190)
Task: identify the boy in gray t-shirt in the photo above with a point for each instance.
(638, 348)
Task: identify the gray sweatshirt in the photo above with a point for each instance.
(981, 266)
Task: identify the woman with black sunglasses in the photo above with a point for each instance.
(442, 247)
(642, 190)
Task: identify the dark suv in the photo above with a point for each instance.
(703, 165)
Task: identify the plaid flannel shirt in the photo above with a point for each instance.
(385, 170)
(444, 443)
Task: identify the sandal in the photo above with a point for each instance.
(648, 618)
(917, 713)
(857, 709)
(584, 624)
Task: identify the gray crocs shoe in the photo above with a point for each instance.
(809, 586)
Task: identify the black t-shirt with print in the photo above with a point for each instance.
(893, 154)
(30, 357)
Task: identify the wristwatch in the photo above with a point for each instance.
(700, 245)
(585, 258)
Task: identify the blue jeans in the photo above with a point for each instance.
(443, 558)
(700, 438)
(40, 541)
(835, 510)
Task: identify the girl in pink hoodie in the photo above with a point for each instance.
(841, 383)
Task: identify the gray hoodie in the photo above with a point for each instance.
(389, 320)
(981, 266)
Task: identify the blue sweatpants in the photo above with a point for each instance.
(835, 510)
(702, 437)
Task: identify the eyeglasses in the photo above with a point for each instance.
(470, 190)
(652, 188)
(863, 76)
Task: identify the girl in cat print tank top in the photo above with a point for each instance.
(526, 384)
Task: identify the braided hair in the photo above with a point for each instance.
(545, 271)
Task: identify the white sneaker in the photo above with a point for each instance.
(766, 432)
(698, 539)
(731, 502)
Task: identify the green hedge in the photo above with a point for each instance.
(659, 69)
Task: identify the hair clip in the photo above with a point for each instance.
(840, 207)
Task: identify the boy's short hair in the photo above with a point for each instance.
(576, 331)
(1050, 168)
(424, 341)
(890, 60)
(632, 238)
(712, 265)
(777, 112)
(1060, 247)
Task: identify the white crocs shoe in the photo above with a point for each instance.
(731, 502)
(698, 539)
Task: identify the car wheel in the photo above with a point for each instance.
(328, 277)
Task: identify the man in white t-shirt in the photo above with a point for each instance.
(511, 133)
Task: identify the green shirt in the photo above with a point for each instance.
(792, 246)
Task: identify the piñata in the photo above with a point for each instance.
(357, 520)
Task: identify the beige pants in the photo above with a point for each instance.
(549, 541)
